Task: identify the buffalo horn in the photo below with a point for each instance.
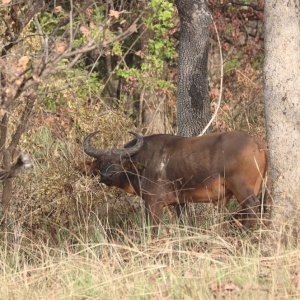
(98, 153)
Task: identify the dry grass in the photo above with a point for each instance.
(72, 238)
(187, 263)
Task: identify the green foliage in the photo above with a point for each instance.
(71, 88)
(163, 11)
(231, 65)
(160, 47)
(246, 2)
(117, 49)
(49, 21)
(128, 72)
(50, 104)
(98, 14)
(258, 62)
(151, 56)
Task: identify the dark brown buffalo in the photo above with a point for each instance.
(167, 170)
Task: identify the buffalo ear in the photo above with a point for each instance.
(132, 166)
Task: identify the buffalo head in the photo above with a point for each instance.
(115, 167)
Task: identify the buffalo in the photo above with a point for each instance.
(166, 169)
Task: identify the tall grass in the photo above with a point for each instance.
(65, 243)
(185, 263)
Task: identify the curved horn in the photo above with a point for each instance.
(130, 150)
(97, 153)
(89, 150)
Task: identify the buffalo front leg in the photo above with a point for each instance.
(154, 210)
(181, 209)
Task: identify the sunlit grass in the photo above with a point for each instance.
(181, 263)
(84, 241)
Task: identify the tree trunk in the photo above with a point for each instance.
(153, 112)
(193, 104)
(7, 190)
(152, 105)
(282, 106)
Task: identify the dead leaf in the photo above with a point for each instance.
(19, 81)
(58, 8)
(140, 53)
(60, 47)
(226, 107)
(214, 93)
(105, 43)
(114, 13)
(36, 78)
(174, 30)
(93, 25)
(89, 12)
(10, 92)
(85, 31)
(2, 112)
(22, 63)
(133, 28)
(226, 46)
(6, 1)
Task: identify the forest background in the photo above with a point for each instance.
(72, 67)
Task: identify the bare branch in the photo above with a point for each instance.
(66, 21)
(44, 40)
(23, 122)
(69, 65)
(221, 83)
(71, 25)
(92, 45)
(29, 14)
(3, 131)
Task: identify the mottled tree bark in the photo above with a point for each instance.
(154, 117)
(193, 104)
(282, 106)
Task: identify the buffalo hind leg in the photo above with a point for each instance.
(249, 211)
(154, 210)
(249, 203)
(181, 209)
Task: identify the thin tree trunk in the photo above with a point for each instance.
(154, 114)
(7, 190)
(282, 106)
(152, 105)
(193, 104)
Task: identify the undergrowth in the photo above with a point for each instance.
(181, 263)
(69, 237)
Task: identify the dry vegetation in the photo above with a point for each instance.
(69, 237)
(72, 238)
(187, 263)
